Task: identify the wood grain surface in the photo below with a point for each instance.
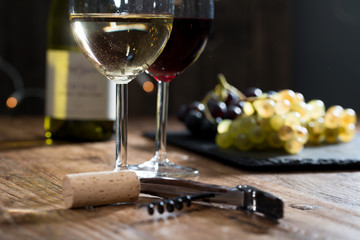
(318, 205)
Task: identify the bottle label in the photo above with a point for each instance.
(76, 90)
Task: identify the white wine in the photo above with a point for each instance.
(80, 106)
(112, 42)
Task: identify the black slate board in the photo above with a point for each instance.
(324, 157)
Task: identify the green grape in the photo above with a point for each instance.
(277, 121)
(246, 123)
(257, 134)
(282, 106)
(316, 125)
(303, 109)
(285, 94)
(335, 108)
(332, 117)
(299, 97)
(264, 107)
(224, 126)
(302, 134)
(331, 135)
(242, 142)
(316, 130)
(316, 138)
(263, 96)
(285, 133)
(265, 123)
(292, 119)
(274, 140)
(248, 109)
(347, 133)
(241, 125)
(224, 140)
(236, 127)
(262, 146)
(348, 116)
(318, 108)
(285, 120)
(293, 145)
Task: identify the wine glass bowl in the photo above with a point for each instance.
(193, 20)
(187, 42)
(121, 39)
(111, 41)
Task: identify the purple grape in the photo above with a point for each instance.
(219, 110)
(241, 104)
(185, 109)
(231, 99)
(193, 120)
(271, 92)
(211, 104)
(252, 92)
(233, 112)
(207, 129)
(218, 120)
(182, 112)
(198, 106)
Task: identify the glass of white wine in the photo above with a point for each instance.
(121, 38)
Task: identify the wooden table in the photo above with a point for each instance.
(318, 205)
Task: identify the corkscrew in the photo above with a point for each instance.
(171, 204)
(177, 192)
(101, 188)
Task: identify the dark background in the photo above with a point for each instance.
(311, 46)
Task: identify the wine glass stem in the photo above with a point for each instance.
(121, 126)
(161, 121)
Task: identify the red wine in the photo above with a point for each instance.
(187, 40)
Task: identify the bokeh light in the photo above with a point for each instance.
(148, 86)
(11, 102)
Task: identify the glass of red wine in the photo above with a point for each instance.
(193, 20)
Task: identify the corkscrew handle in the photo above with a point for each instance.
(256, 200)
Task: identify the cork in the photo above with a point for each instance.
(100, 188)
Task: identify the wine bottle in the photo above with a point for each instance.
(80, 102)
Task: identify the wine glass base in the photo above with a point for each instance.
(162, 169)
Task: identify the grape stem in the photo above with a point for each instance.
(220, 92)
(225, 85)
